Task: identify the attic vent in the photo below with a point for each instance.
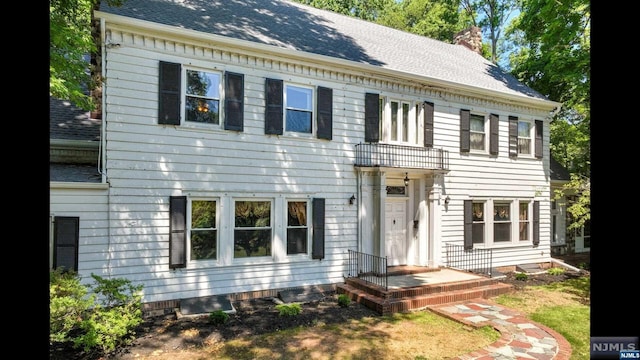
(470, 38)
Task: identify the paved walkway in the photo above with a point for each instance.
(520, 337)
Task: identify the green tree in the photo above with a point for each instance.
(363, 9)
(492, 16)
(437, 19)
(73, 47)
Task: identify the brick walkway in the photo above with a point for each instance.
(520, 337)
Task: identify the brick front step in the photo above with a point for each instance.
(387, 302)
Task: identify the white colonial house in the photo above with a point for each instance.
(250, 147)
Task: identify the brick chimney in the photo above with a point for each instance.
(471, 38)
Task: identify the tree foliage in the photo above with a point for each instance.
(71, 45)
(363, 9)
(492, 17)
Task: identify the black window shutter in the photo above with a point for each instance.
(494, 133)
(428, 123)
(539, 139)
(66, 237)
(317, 251)
(465, 126)
(536, 223)
(468, 225)
(169, 93)
(274, 112)
(234, 101)
(325, 112)
(371, 120)
(177, 232)
(513, 136)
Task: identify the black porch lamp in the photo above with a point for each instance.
(406, 179)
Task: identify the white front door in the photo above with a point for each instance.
(396, 233)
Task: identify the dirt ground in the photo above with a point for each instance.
(259, 316)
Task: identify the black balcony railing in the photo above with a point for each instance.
(400, 156)
(369, 268)
(473, 260)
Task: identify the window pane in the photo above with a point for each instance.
(477, 234)
(299, 98)
(297, 211)
(203, 244)
(299, 121)
(417, 125)
(394, 120)
(524, 146)
(523, 215)
(203, 84)
(478, 212)
(477, 123)
(296, 241)
(502, 232)
(203, 214)
(477, 141)
(524, 129)
(252, 236)
(405, 122)
(252, 243)
(501, 212)
(202, 110)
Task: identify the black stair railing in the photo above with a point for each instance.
(473, 260)
(369, 268)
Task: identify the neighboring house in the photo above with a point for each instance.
(248, 147)
(563, 240)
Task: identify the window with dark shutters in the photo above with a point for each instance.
(513, 136)
(234, 101)
(538, 140)
(536, 223)
(465, 130)
(428, 123)
(169, 93)
(66, 237)
(177, 232)
(274, 113)
(371, 117)
(468, 224)
(317, 247)
(325, 112)
(494, 135)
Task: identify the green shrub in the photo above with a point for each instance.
(97, 317)
(218, 317)
(291, 309)
(555, 271)
(344, 300)
(522, 276)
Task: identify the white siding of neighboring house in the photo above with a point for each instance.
(147, 163)
(89, 203)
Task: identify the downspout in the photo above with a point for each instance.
(358, 209)
(103, 140)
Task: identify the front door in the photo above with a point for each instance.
(396, 232)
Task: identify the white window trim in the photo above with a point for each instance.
(285, 225)
(515, 222)
(257, 259)
(532, 140)
(313, 110)
(487, 133)
(183, 113)
(414, 125)
(203, 262)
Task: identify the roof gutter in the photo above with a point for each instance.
(205, 39)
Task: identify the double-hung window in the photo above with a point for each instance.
(253, 231)
(400, 121)
(298, 109)
(297, 227)
(525, 136)
(501, 222)
(524, 219)
(202, 97)
(478, 227)
(203, 232)
(477, 132)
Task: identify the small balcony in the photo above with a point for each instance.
(400, 156)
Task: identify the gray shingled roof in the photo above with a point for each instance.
(295, 26)
(557, 171)
(71, 123)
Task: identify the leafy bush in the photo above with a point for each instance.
(97, 317)
(522, 276)
(555, 271)
(218, 317)
(292, 309)
(344, 300)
